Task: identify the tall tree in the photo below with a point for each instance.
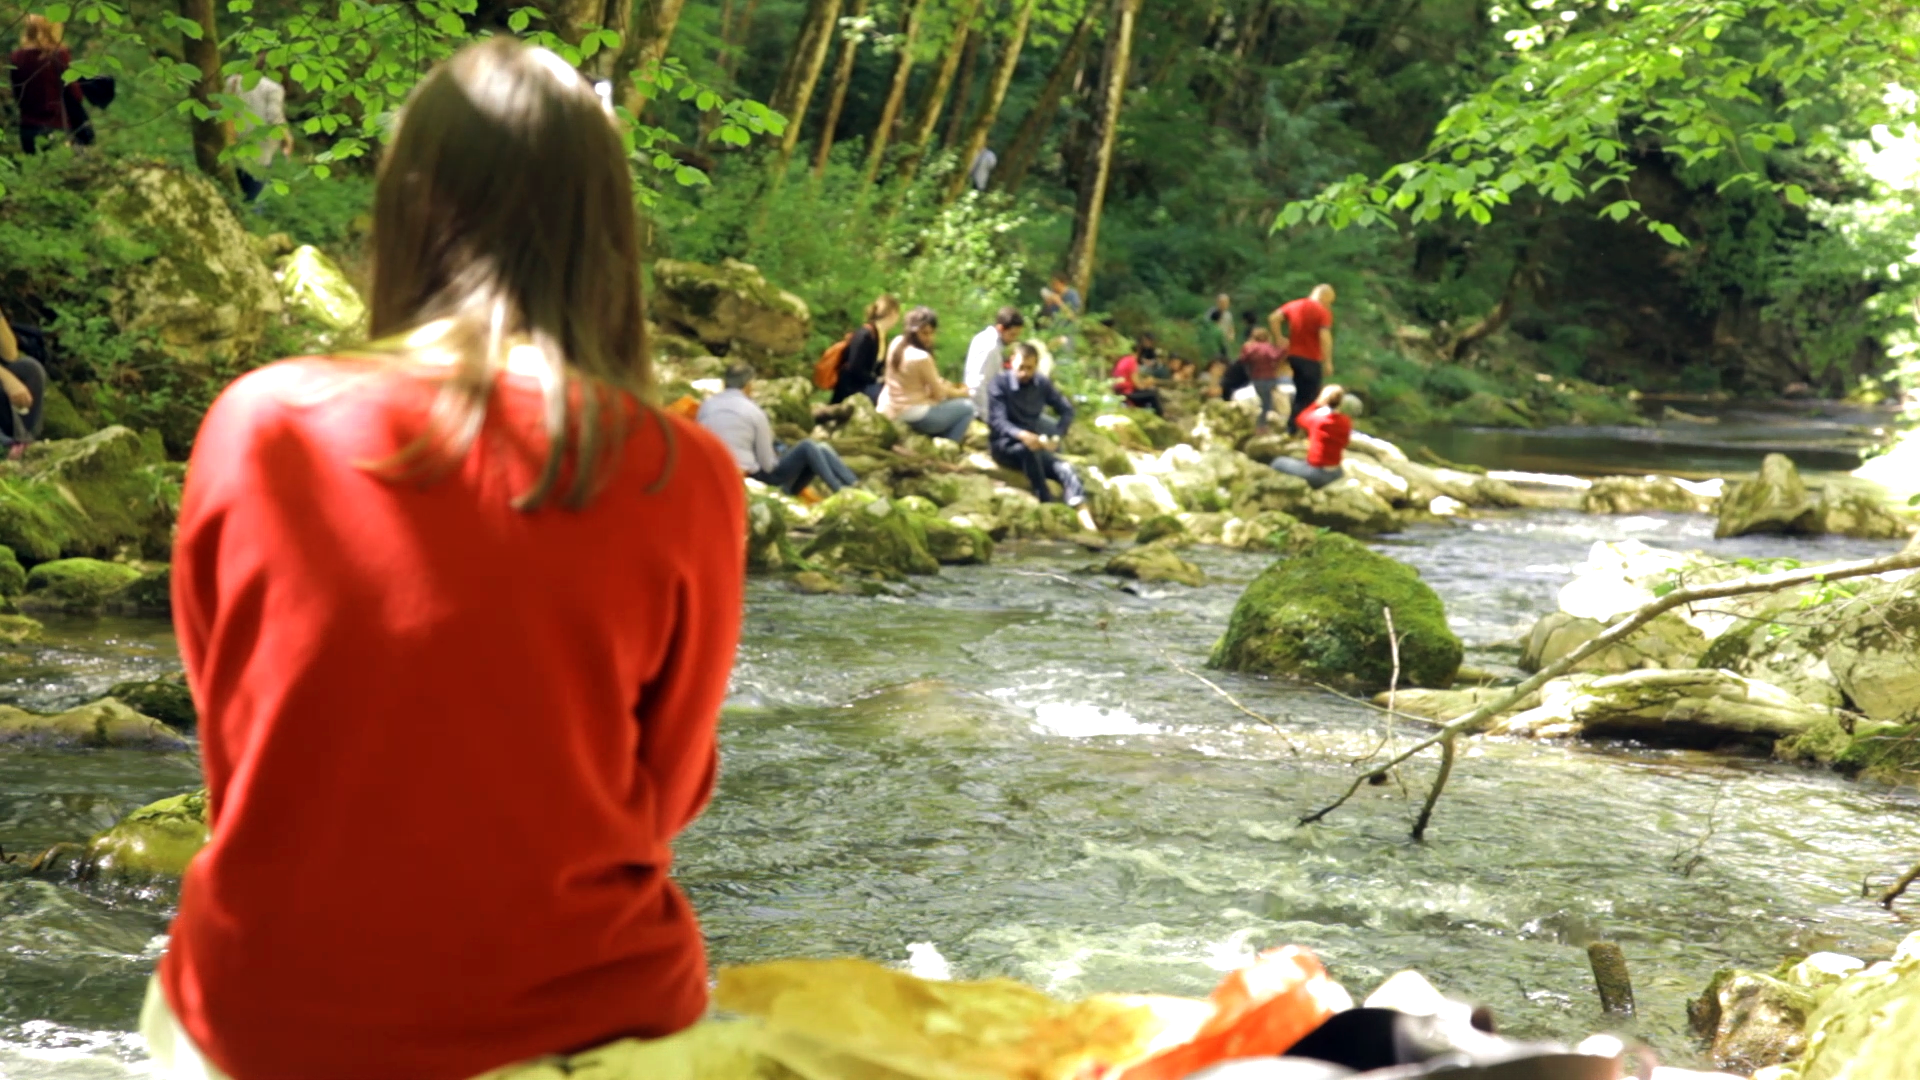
(794, 92)
(897, 94)
(920, 132)
(652, 27)
(975, 139)
(203, 52)
(842, 78)
(1093, 184)
(1033, 130)
(957, 113)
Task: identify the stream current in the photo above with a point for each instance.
(1012, 765)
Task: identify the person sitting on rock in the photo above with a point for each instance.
(987, 354)
(742, 425)
(1023, 438)
(24, 382)
(1328, 432)
(463, 597)
(860, 364)
(1133, 379)
(916, 395)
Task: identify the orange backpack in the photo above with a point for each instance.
(826, 370)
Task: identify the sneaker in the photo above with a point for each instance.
(811, 496)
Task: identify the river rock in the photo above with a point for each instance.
(861, 534)
(1164, 527)
(767, 547)
(1666, 642)
(1866, 1026)
(1428, 483)
(1159, 561)
(1694, 709)
(1319, 616)
(19, 629)
(110, 493)
(150, 595)
(1268, 530)
(13, 576)
(1875, 654)
(1091, 444)
(314, 288)
(1751, 1020)
(1143, 497)
(957, 543)
(1443, 706)
(1641, 495)
(730, 308)
(205, 292)
(1127, 431)
(859, 428)
(166, 700)
(1389, 486)
(1266, 490)
(153, 843)
(1348, 507)
(75, 586)
(96, 725)
(1221, 425)
(1775, 501)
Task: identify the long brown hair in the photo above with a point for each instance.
(919, 321)
(505, 206)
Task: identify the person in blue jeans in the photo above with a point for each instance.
(1022, 437)
(743, 426)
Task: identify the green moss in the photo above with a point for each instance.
(75, 586)
(767, 547)
(873, 538)
(1164, 527)
(1886, 752)
(19, 629)
(59, 419)
(13, 577)
(1319, 616)
(1155, 562)
(957, 545)
(150, 594)
(108, 493)
(166, 700)
(155, 841)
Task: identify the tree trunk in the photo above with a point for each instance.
(802, 74)
(575, 16)
(1033, 130)
(902, 71)
(203, 52)
(983, 120)
(920, 132)
(957, 112)
(651, 32)
(1093, 189)
(842, 78)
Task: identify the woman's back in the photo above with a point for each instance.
(447, 742)
(38, 79)
(912, 380)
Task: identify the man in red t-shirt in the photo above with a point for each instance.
(1309, 337)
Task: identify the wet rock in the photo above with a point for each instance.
(815, 583)
(1163, 527)
(110, 493)
(153, 843)
(1693, 709)
(1751, 1020)
(1666, 642)
(858, 428)
(94, 726)
(1348, 507)
(1641, 495)
(1865, 1028)
(1775, 501)
(314, 288)
(74, 586)
(13, 576)
(860, 534)
(149, 595)
(205, 292)
(1155, 562)
(1442, 706)
(957, 543)
(729, 308)
(1319, 616)
(19, 629)
(1221, 425)
(767, 546)
(166, 700)
(1143, 497)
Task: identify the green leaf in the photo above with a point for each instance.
(57, 12)
(1796, 195)
(1668, 233)
(322, 171)
(517, 22)
(450, 24)
(688, 176)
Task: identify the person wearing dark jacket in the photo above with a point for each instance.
(860, 364)
(37, 72)
(23, 382)
(1022, 437)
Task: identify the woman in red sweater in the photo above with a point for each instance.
(37, 73)
(459, 612)
(1328, 432)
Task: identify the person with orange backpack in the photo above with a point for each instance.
(858, 371)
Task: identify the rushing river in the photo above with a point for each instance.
(1012, 765)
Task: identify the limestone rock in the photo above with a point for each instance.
(1269, 490)
(947, 489)
(1143, 497)
(1264, 448)
(1221, 425)
(1867, 1026)
(730, 307)
(1319, 616)
(1642, 494)
(1269, 530)
(1775, 501)
(1125, 430)
(1875, 655)
(1164, 527)
(859, 428)
(1751, 1020)
(206, 292)
(94, 726)
(1092, 444)
(110, 492)
(1442, 706)
(957, 543)
(1694, 708)
(1349, 507)
(152, 843)
(1155, 562)
(75, 586)
(864, 535)
(766, 535)
(1846, 510)
(1666, 642)
(314, 288)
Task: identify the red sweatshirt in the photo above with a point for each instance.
(448, 743)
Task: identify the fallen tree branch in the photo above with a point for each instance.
(1893, 893)
(1477, 720)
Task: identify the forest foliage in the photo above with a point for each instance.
(1656, 194)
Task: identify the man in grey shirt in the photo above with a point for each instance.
(743, 427)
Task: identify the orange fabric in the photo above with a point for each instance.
(447, 743)
(1261, 1010)
(686, 406)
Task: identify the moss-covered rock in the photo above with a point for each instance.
(730, 307)
(1159, 561)
(59, 419)
(75, 586)
(1222, 425)
(150, 595)
(1750, 1020)
(767, 546)
(955, 543)
(166, 700)
(314, 288)
(786, 401)
(1162, 527)
(1691, 709)
(13, 576)
(1319, 616)
(19, 629)
(861, 534)
(112, 492)
(1640, 495)
(95, 725)
(1775, 501)
(1348, 507)
(153, 843)
(1125, 429)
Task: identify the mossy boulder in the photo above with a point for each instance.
(149, 595)
(1319, 616)
(75, 586)
(1221, 425)
(59, 419)
(861, 534)
(1750, 1020)
(1640, 495)
(767, 545)
(1774, 501)
(1349, 507)
(153, 843)
(19, 629)
(730, 308)
(955, 543)
(96, 725)
(205, 292)
(315, 289)
(110, 493)
(1162, 527)
(786, 401)
(13, 576)
(1155, 562)
(166, 700)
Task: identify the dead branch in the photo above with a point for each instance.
(1439, 785)
(1474, 721)
(1887, 898)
